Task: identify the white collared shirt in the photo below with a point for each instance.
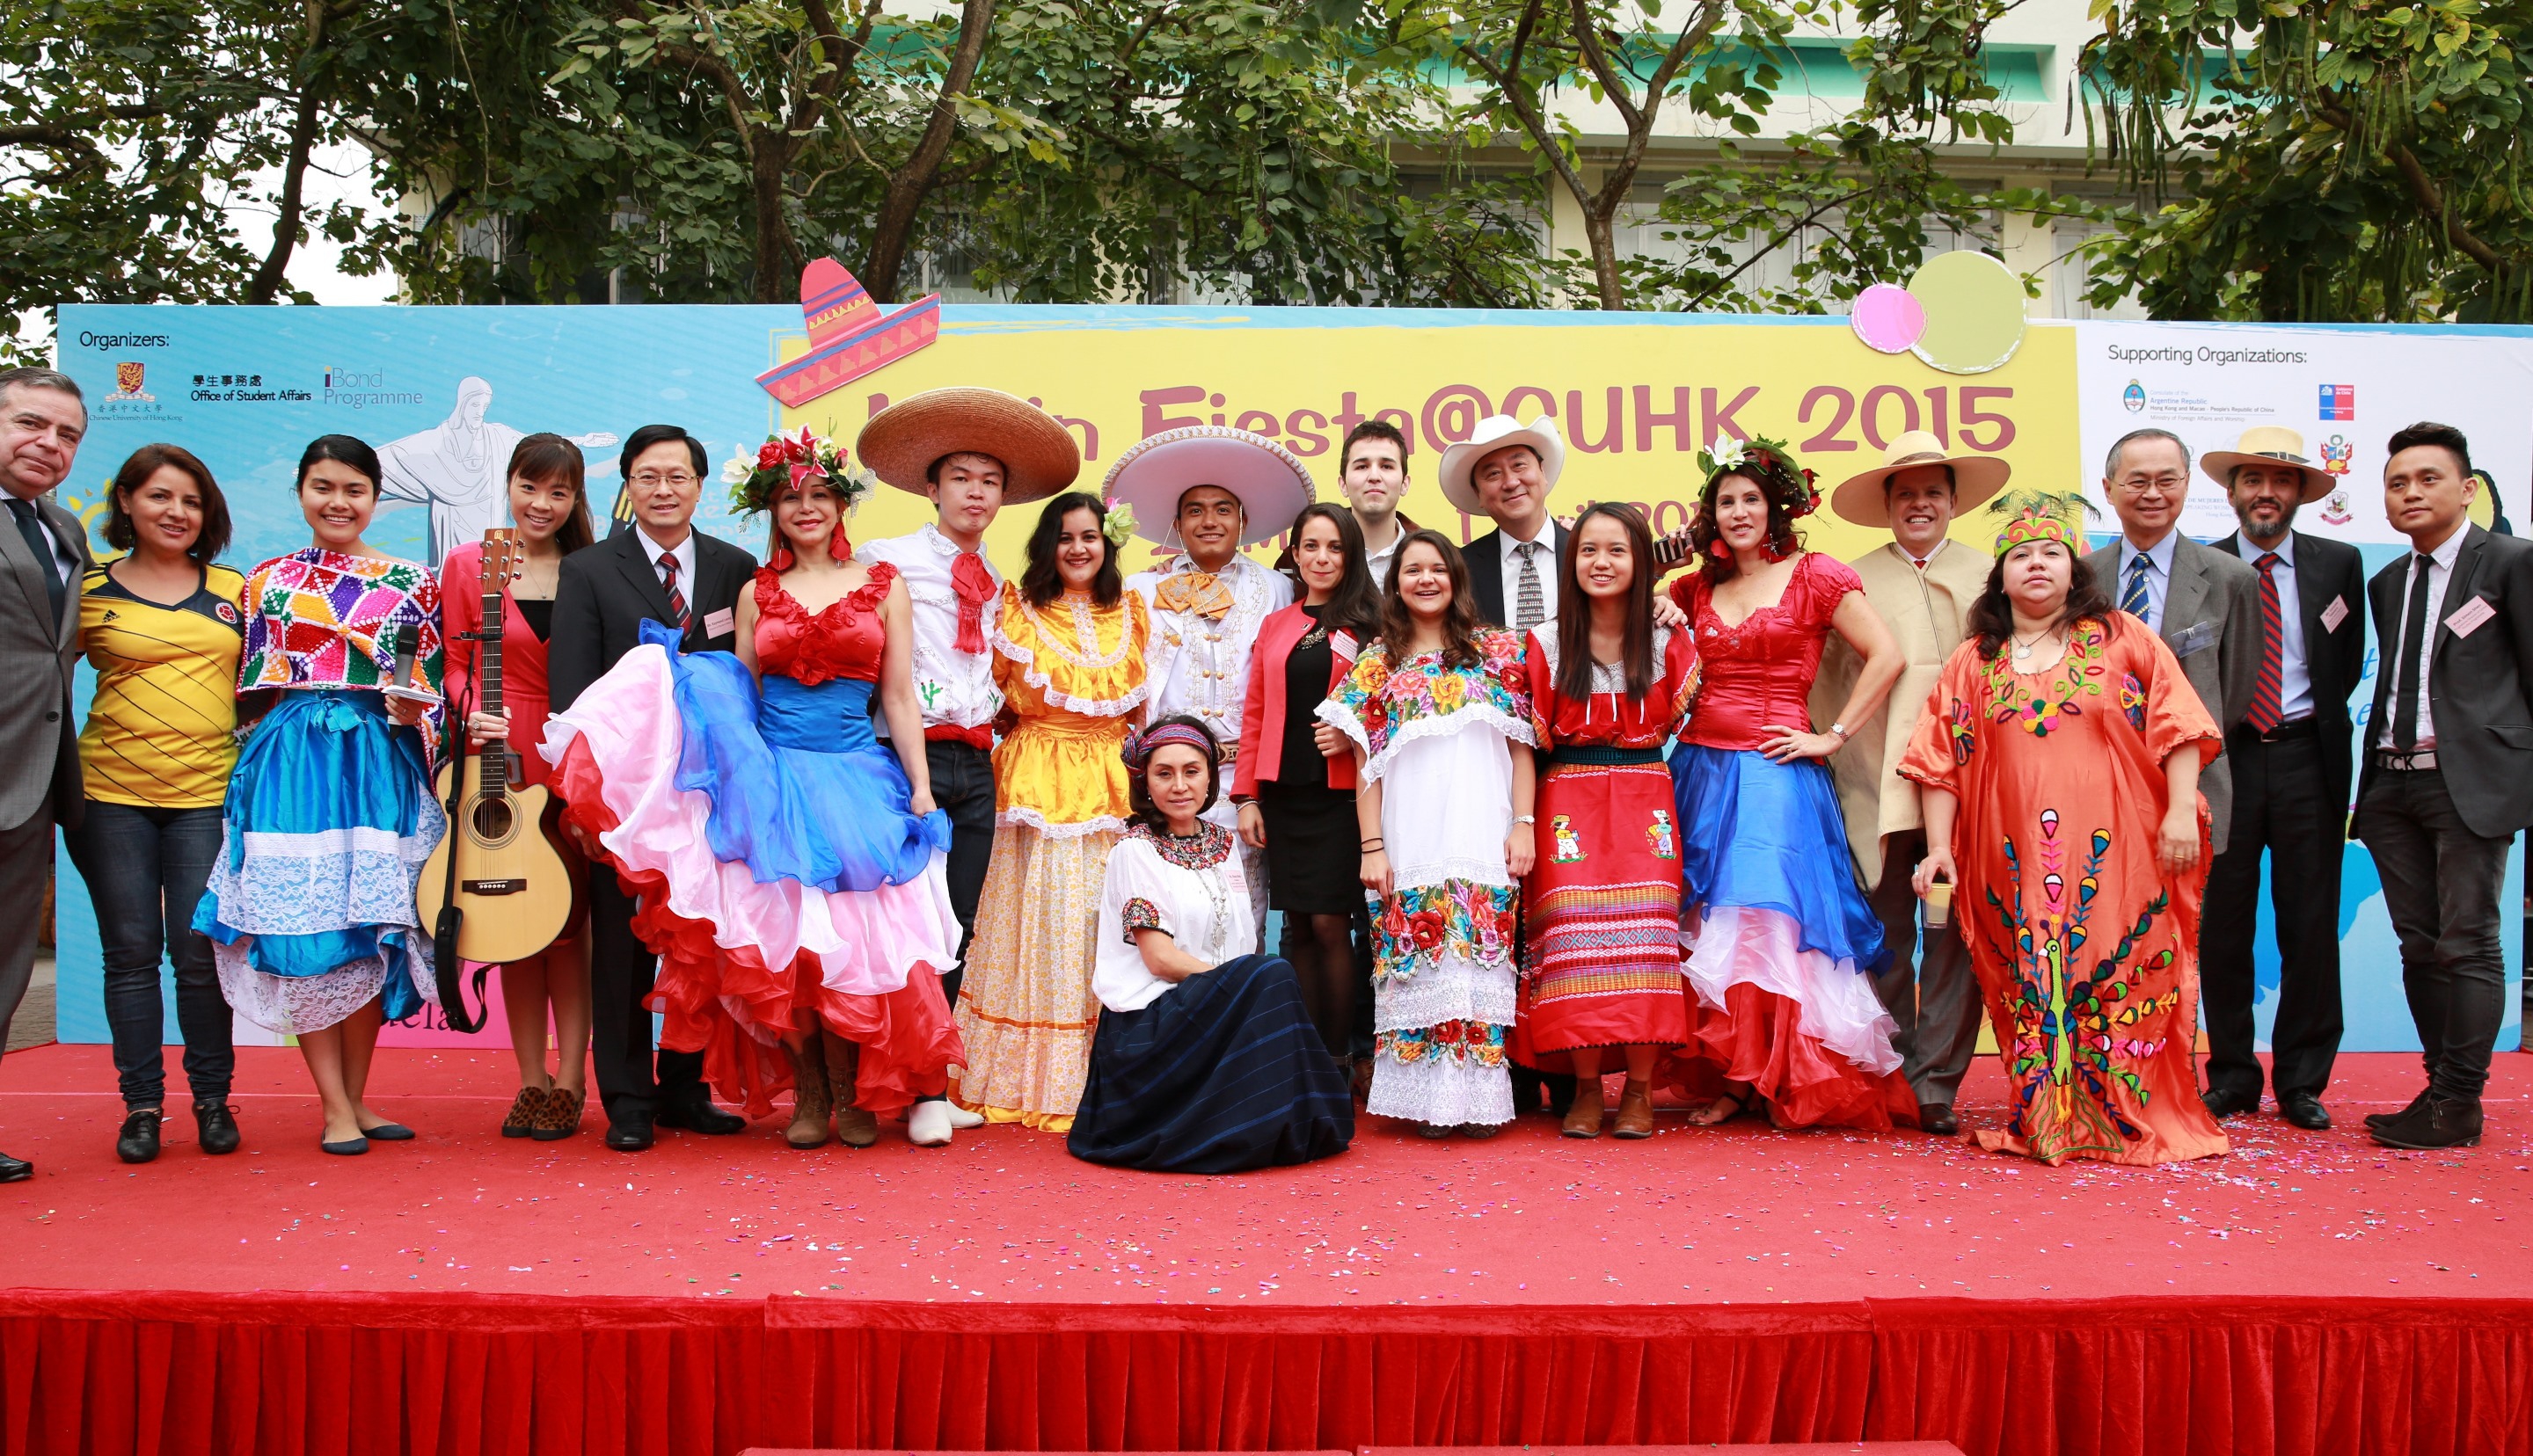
(1543, 559)
(684, 551)
(955, 688)
(2439, 576)
(2159, 579)
(1379, 561)
(2295, 679)
(1201, 667)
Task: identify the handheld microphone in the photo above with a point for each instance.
(408, 643)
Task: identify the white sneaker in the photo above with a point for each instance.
(961, 1117)
(928, 1124)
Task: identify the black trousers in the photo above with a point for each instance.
(620, 971)
(962, 788)
(2440, 884)
(1929, 988)
(2283, 804)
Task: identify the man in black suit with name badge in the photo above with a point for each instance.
(2290, 757)
(666, 571)
(2448, 776)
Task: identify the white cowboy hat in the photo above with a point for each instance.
(902, 441)
(1495, 433)
(1860, 499)
(1271, 482)
(2269, 444)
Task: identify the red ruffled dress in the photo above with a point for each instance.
(784, 880)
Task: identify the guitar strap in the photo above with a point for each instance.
(448, 968)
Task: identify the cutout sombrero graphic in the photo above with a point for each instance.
(849, 336)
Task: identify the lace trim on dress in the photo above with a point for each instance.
(1026, 817)
(1085, 629)
(1518, 729)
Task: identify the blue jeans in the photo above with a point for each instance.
(145, 869)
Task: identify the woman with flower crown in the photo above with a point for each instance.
(1780, 941)
(2060, 755)
(1069, 657)
(791, 866)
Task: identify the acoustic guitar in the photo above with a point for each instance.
(500, 868)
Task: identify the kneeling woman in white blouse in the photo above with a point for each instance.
(1206, 1060)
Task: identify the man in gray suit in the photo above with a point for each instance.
(2204, 603)
(43, 554)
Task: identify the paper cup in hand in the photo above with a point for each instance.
(1939, 904)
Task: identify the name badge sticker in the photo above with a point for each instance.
(1341, 642)
(2197, 637)
(717, 623)
(2467, 618)
(2334, 613)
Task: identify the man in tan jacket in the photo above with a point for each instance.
(1922, 586)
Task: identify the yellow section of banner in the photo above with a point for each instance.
(1635, 399)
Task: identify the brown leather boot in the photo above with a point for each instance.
(855, 1127)
(808, 1099)
(1635, 1111)
(1583, 1116)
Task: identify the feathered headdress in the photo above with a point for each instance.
(2041, 516)
(1767, 461)
(787, 460)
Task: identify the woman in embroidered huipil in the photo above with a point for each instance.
(1439, 716)
(2060, 755)
(309, 907)
(1205, 1060)
(1608, 688)
(790, 868)
(1069, 657)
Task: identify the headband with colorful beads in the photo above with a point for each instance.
(2041, 516)
(1139, 747)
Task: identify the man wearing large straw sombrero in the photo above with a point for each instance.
(1921, 584)
(971, 452)
(2292, 766)
(1206, 492)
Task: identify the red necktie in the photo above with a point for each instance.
(975, 587)
(677, 598)
(2267, 713)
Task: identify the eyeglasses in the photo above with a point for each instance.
(678, 477)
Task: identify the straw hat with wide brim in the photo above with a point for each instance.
(1861, 500)
(902, 441)
(1493, 433)
(1271, 482)
(2269, 444)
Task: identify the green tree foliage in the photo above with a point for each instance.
(2325, 161)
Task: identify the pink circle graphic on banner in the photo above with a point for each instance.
(1888, 318)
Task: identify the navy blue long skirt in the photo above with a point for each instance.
(1222, 1072)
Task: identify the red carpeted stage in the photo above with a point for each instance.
(465, 1292)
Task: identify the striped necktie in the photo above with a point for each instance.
(2134, 599)
(2269, 687)
(677, 598)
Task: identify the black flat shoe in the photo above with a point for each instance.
(1936, 1120)
(630, 1130)
(2306, 1111)
(216, 1127)
(2445, 1121)
(388, 1133)
(2228, 1103)
(349, 1147)
(15, 1170)
(698, 1115)
(138, 1142)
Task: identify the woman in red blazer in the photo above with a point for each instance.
(1295, 775)
(549, 508)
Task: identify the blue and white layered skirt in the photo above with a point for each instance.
(309, 907)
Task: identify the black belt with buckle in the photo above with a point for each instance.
(2423, 761)
(2303, 727)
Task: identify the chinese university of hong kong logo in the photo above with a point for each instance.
(128, 376)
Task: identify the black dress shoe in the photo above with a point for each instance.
(216, 1127)
(2306, 1111)
(1937, 1120)
(2230, 1103)
(15, 1170)
(2385, 1119)
(2445, 1121)
(696, 1114)
(138, 1142)
(630, 1130)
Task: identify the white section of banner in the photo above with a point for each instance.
(2346, 389)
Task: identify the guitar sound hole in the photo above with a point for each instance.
(494, 821)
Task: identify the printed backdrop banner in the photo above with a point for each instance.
(444, 393)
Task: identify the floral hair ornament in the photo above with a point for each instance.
(2041, 516)
(1141, 747)
(1118, 525)
(1769, 462)
(786, 461)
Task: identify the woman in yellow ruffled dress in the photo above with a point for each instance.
(1069, 659)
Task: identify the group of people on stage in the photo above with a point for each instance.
(877, 830)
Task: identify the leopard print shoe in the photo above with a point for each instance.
(524, 1111)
